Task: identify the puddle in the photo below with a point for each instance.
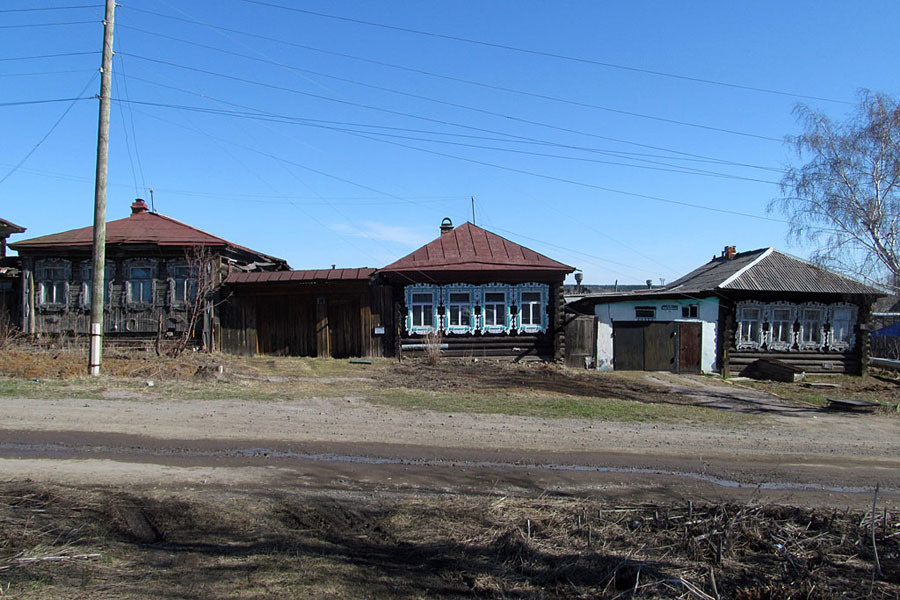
(61, 451)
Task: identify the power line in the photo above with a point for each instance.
(29, 25)
(40, 73)
(271, 117)
(545, 54)
(39, 56)
(46, 8)
(454, 79)
(30, 102)
(402, 113)
(51, 130)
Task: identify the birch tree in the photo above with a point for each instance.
(843, 197)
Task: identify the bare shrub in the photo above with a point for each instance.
(9, 333)
(432, 342)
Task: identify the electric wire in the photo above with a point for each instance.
(140, 166)
(546, 54)
(40, 56)
(51, 130)
(455, 79)
(48, 101)
(617, 140)
(48, 8)
(36, 25)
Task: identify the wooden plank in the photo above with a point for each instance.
(659, 346)
(628, 346)
(689, 347)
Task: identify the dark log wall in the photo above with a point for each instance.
(736, 362)
(120, 317)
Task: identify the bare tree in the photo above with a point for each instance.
(844, 198)
(197, 296)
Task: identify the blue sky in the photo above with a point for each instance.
(631, 140)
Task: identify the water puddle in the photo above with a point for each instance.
(62, 451)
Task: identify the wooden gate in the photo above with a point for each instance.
(344, 328)
(656, 346)
(581, 340)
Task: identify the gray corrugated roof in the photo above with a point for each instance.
(767, 270)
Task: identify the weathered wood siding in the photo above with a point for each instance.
(581, 340)
(328, 319)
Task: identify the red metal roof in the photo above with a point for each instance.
(312, 275)
(141, 227)
(471, 248)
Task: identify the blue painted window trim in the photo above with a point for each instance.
(508, 293)
(544, 290)
(474, 300)
(421, 288)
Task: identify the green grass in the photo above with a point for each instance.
(553, 406)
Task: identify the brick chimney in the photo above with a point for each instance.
(729, 252)
(138, 207)
(446, 226)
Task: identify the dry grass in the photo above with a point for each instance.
(279, 545)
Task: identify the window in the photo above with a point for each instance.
(689, 311)
(781, 328)
(530, 308)
(87, 270)
(140, 284)
(811, 330)
(183, 283)
(459, 311)
(421, 303)
(52, 285)
(494, 310)
(843, 319)
(749, 333)
(644, 312)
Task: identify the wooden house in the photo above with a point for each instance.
(485, 295)
(150, 278)
(734, 310)
(10, 269)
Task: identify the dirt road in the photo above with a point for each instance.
(791, 454)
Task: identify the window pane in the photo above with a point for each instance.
(141, 273)
(531, 296)
(781, 314)
(421, 297)
(494, 297)
(751, 313)
(462, 297)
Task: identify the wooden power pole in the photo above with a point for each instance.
(98, 271)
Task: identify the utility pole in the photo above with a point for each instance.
(98, 271)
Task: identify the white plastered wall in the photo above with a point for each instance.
(666, 310)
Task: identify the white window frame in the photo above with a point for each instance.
(130, 280)
(409, 292)
(523, 289)
(771, 342)
(749, 343)
(505, 325)
(472, 292)
(802, 342)
(58, 282)
(850, 342)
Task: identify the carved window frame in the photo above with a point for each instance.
(806, 328)
(741, 318)
(109, 280)
(447, 293)
(140, 303)
(507, 318)
(544, 291)
(420, 288)
(61, 270)
(850, 342)
(186, 280)
(771, 342)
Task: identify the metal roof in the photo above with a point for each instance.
(767, 270)
(142, 227)
(312, 275)
(471, 248)
(8, 227)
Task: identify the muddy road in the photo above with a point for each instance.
(785, 456)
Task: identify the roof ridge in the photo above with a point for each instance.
(746, 267)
